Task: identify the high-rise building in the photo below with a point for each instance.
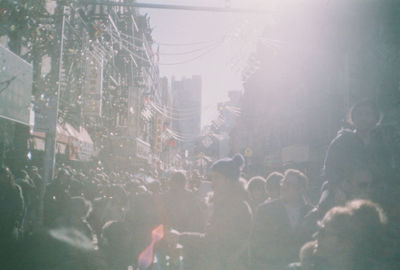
(187, 110)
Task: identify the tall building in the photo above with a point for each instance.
(187, 110)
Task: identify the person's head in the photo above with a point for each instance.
(255, 188)
(306, 255)
(273, 185)
(225, 173)
(365, 116)
(23, 174)
(154, 186)
(293, 185)
(63, 177)
(351, 235)
(114, 244)
(6, 176)
(177, 181)
(34, 170)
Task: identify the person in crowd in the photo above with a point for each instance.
(146, 212)
(181, 206)
(182, 209)
(11, 208)
(273, 185)
(224, 244)
(56, 249)
(306, 256)
(355, 182)
(279, 229)
(29, 193)
(256, 191)
(37, 180)
(56, 197)
(114, 243)
(112, 205)
(204, 190)
(351, 237)
(353, 145)
(75, 215)
(37, 205)
(195, 180)
(368, 144)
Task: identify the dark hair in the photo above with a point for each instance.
(178, 179)
(273, 181)
(302, 179)
(256, 182)
(365, 103)
(229, 167)
(6, 173)
(363, 223)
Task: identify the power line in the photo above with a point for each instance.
(191, 51)
(188, 44)
(191, 59)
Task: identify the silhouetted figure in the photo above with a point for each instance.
(351, 238)
(11, 208)
(29, 194)
(279, 229)
(145, 213)
(370, 145)
(256, 192)
(75, 215)
(306, 256)
(114, 243)
(224, 245)
(273, 185)
(181, 206)
(57, 249)
(56, 198)
(355, 183)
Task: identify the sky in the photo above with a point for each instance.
(224, 42)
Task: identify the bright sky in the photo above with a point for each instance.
(228, 37)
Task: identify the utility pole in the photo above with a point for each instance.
(50, 144)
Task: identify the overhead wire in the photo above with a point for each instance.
(187, 44)
(193, 58)
(171, 117)
(207, 50)
(173, 111)
(191, 51)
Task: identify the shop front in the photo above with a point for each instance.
(72, 145)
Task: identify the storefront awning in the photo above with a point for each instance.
(80, 145)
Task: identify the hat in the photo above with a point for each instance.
(229, 167)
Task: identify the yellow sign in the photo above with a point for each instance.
(248, 152)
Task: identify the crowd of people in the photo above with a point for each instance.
(89, 219)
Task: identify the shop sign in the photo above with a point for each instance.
(248, 152)
(93, 90)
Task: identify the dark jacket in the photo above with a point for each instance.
(224, 245)
(274, 243)
(11, 210)
(344, 150)
(379, 156)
